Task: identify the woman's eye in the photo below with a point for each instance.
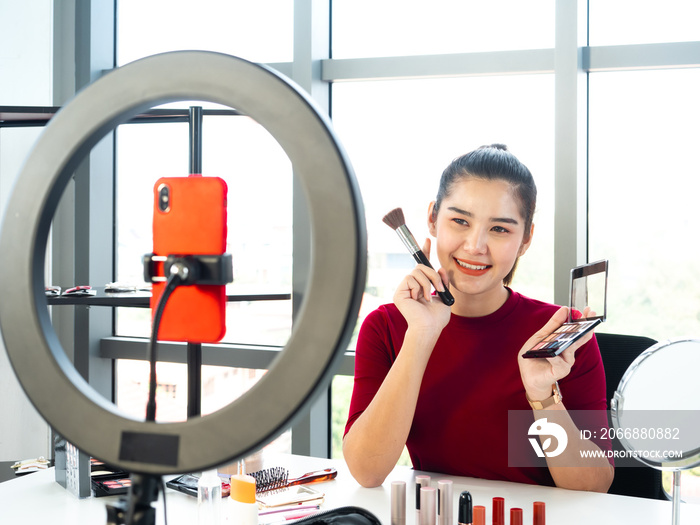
(499, 229)
(461, 222)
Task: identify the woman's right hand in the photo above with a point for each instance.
(423, 311)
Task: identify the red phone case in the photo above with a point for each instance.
(193, 224)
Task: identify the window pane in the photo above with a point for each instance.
(261, 31)
(220, 386)
(644, 183)
(366, 28)
(401, 135)
(259, 220)
(617, 22)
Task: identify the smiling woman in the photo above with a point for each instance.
(416, 353)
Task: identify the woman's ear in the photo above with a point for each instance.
(432, 219)
(527, 241)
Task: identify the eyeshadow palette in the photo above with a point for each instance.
(588, 287)
(563, 337)
(111, 484)
(107, 480)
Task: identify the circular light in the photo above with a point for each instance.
(323, 325)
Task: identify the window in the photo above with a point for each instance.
(644, 182)
(261, 31)
(235, 148)
(401, 27)
(619, 22)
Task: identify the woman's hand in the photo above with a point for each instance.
(538, 375)
(423, 311)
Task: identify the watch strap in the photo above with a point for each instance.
(554, 399)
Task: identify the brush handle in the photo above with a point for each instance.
(446, 296)
(314, 477)
(410, 242)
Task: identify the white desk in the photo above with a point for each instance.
(37, 498)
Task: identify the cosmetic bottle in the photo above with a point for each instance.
(209, 498)
(243, 509)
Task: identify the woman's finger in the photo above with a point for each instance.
(426, 247)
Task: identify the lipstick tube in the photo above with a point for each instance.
(421, 481)
(499, 517)
(538, 517)
(444, 505)
(464, 513)
(516, 516)
(427, 505)
(479, 515)
(398, 503)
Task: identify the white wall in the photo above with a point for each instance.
(25, 80)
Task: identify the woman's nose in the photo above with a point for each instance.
(475, 242)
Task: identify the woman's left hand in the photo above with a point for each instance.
(539, 374)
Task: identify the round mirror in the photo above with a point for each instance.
(656, 406)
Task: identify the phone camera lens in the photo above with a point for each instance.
(164, 198)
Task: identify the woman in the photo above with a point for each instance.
(441, 380)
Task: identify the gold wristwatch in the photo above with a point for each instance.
(555, 399)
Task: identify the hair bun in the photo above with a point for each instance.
(502, 147)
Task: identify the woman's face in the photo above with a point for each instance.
(480, 234)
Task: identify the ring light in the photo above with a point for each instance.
(323, 325)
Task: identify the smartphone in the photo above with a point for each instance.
(588, 286)
(189, 218)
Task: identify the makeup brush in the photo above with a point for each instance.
(278, 478)
(395, 220)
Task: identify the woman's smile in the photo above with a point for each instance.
(471, 268)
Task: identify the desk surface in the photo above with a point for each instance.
(38, 499)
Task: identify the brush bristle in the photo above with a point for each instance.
(394, 219)
(270, 479)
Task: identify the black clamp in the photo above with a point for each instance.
(193, 269)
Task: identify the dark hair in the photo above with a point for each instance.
(493, 162)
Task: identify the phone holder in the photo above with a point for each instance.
(200, 269)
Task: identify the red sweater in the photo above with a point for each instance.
(472, 380)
